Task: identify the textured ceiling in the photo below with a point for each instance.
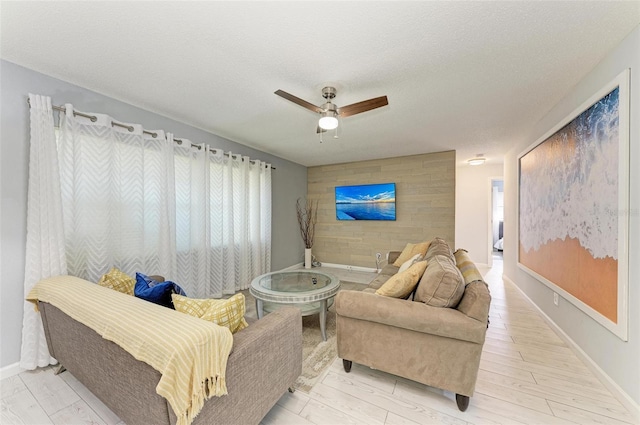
(470, 76)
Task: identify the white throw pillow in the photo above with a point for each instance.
(409, 262)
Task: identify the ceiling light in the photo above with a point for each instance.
(328, 120)
(478, 160)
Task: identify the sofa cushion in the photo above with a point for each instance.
(119, 281)
(469, 271)
(389, 270)
(409, 262)
(409, 251)
(438, 246)
(402, 284)
(226, 312)
(442, 284)
(475, 301)
(378, 281)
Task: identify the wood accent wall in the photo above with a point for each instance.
(425, 206)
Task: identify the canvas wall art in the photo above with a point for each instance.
(573, 207)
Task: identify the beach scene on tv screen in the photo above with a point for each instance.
(366, 202)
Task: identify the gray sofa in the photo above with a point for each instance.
(265, 361)
(436, 346)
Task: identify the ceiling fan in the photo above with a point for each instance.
(329, 112)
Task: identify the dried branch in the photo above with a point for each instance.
(307, 212)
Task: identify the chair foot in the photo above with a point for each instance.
(347, 365)
(291, 390)
(462, 401)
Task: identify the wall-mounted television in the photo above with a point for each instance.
(366, 202)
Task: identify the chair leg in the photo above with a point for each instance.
(347, 365)
(462, 401)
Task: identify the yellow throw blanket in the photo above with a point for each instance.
(467, 267)
(190, 353)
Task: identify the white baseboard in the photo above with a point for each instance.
(606, 380)
(350, 268)
(11, 370)
(294, 267)
(335, 266)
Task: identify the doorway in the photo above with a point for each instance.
(496, 220)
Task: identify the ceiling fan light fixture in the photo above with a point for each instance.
(479, 160)
(329, 112)
(328, 120)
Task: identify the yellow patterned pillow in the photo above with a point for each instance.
(410, 250)
(229, 312)
(118, 280)
(400, 285)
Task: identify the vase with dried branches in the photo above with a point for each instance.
(307, 212)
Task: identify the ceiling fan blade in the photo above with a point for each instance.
(364, 106)
(298, 101)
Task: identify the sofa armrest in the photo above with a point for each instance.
(268, 353)
(281, 328)
(265, 361)
(406, 314)
(392, 256)
(476, 301)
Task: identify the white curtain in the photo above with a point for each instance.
(195, 215)
(223, 220)
(45, 251)
(117, 196)
(192, 211)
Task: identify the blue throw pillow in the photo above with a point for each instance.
(156, 292)
(178, 290)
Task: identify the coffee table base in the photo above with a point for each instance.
(307, 309)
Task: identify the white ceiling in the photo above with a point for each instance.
(470, 76)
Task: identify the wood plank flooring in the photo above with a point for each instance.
(528, 375)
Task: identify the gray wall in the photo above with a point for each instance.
(289, 182)
(619, 359)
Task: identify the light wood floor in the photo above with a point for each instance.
(527, 375)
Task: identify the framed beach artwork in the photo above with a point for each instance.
(573, 207)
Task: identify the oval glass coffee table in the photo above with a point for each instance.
(311, 291)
